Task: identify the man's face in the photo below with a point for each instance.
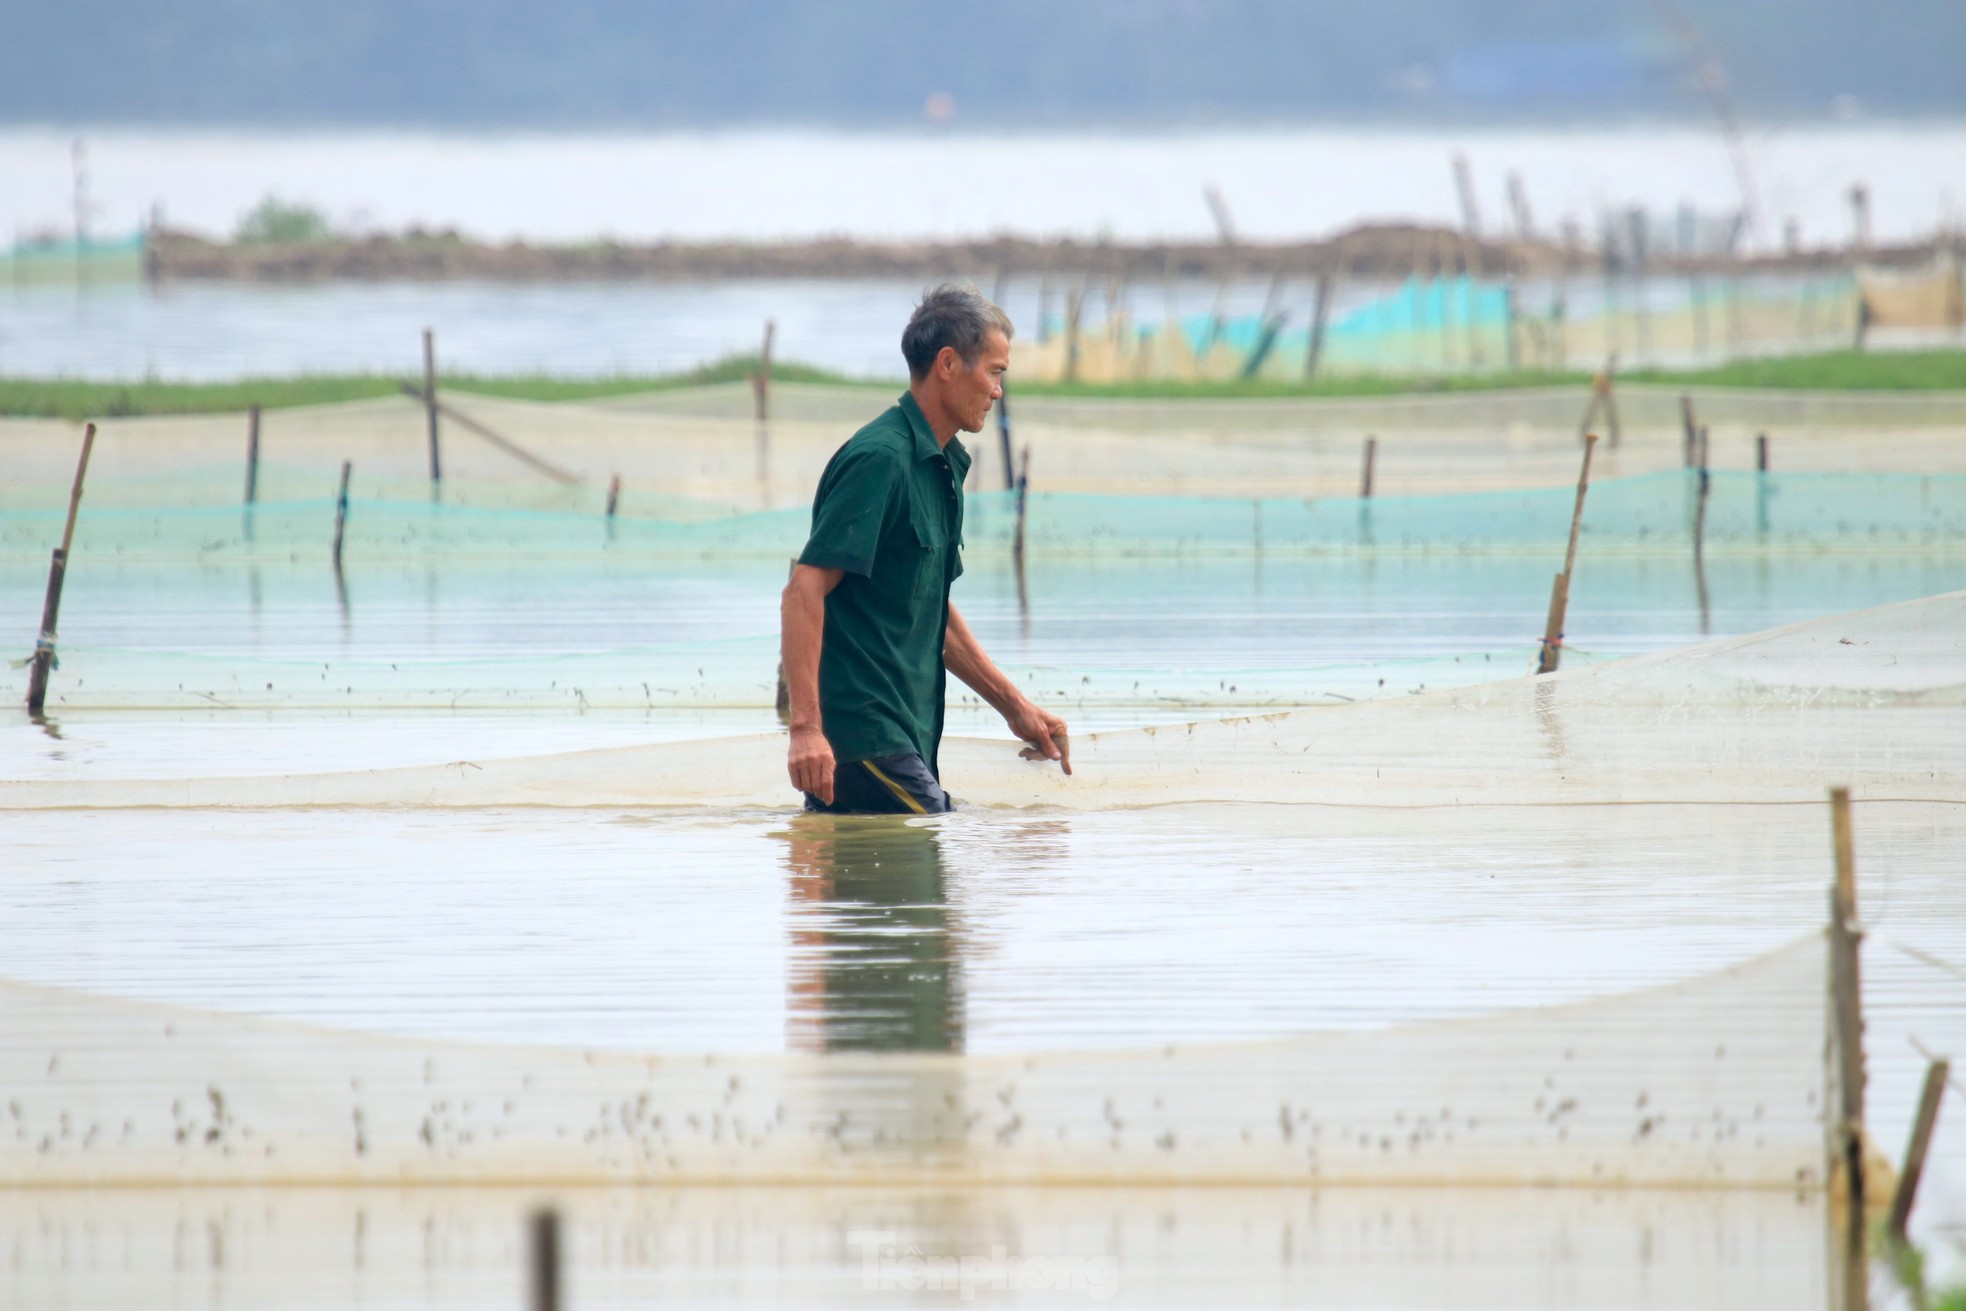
(972, 390)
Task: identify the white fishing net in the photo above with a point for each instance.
(1874, 700)
(1716, 1081)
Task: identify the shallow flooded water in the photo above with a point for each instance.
(993, 933)
(1514, 1250)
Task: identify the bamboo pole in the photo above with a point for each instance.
(252, 454)
(1320, 315)
(1761, 453)
(1612, 427)
(614, 495)
(543, 1260)
(430, 401)
(761, 380)
(1601, 401)
(1689, 431)
(42, 662)
(341, 513)
(505, 444)
(1552, 648)
(1846, 1008)
(1003, 440)
(1927, 1119)
(1365, 471)
(1023, 495)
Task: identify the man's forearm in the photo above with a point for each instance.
(965, 658)
(802, 622)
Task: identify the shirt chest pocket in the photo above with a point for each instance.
(931, 538)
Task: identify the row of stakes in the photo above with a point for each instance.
(544, 1245)
(1602, 404)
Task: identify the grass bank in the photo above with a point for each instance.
(1935, 370)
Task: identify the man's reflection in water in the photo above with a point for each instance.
(875, 955)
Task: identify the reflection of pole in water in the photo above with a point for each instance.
(1700, 531)
(1761, 486)
(1023, 600)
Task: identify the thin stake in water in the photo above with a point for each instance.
(252, 454)
(1921, 1141)
(1552, 650)
(341, 514)
(430, 401)
(1603, 399)
(1023, 494)
(1847, 1013)
(1003, 440)
(43, 661)
(543, 1260)
(1365, 472)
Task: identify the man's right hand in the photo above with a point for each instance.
(811, 763)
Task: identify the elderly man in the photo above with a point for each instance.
(869, 634)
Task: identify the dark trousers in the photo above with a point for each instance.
(885, 785)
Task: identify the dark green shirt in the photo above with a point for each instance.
(889, 512)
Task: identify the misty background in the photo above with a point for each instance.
(1037, 63)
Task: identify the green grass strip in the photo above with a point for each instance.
(1931, 370)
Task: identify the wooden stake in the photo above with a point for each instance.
(1921, 1141)
(1601, 400)
(1023, 493)
(505, 444)
(341, 513)
(430, 401)
(1320, 315)
(1761, 453)
(1846, 1006)
(614, 495)
(1689, 432)
(43, 661)
(761, 380)
(1365, 473)
(543, 1260)
(252, 454)
(1003, 440)
(1552, 650)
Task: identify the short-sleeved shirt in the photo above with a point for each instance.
(889, 512)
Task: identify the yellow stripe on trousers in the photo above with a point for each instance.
(907, 798)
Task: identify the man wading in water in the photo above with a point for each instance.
(869, 634)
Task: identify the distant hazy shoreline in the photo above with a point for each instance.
(1281, 184)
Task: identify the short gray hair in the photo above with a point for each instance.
(953, 314)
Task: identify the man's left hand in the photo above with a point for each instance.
(1045, 732)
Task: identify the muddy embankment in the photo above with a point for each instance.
(1382, 250)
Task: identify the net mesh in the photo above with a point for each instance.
(1875, 700)
(1713, 1082)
